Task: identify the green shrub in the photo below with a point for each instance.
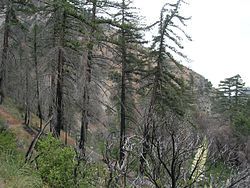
(55, 162)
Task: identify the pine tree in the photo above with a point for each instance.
(231, 95)
(128, 37)
(167, 89)
(232, 102)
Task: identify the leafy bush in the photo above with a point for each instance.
(55, 162)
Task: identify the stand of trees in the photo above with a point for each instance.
(233, 102)
(79, 64)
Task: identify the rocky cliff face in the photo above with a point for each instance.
(201, 88)
(203, 91)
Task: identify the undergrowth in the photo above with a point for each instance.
(14, 173)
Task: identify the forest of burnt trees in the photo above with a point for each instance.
(82, 65)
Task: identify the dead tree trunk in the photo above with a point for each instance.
(34, 141)
(52, 80)
(39, 110)
(60, 77)
(27, 102)
(123, 87)
(59, 94)
(87, 81)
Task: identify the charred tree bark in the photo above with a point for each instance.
(52, 99)
(83, 132)
(85, 108)
(123, 113)
(39, 110)
(52, 79)
(123, 87)
(27, 102)
(60, 78)
(59, 94)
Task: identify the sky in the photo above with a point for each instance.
(220, 30)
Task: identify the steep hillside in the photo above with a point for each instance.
(12, 117)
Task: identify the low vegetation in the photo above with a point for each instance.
(14, 173)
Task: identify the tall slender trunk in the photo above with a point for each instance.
(25, 64)
(39, 110)
(60, 78)
(86, 97)
(27, 102)
(123, 88)
(123, 104)
(5, 52)
(123, 113)
(59, 94)
(173, 162)
(123, 120)
(52, 101)
(83, 132)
